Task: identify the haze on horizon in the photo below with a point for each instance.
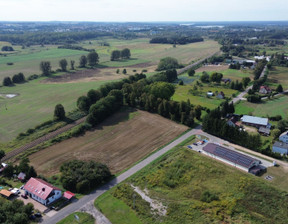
(143, 11)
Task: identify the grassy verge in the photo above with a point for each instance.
(84, 218)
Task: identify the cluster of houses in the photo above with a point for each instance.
(219, 95)
(262, 124)
(248, 63)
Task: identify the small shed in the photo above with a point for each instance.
(221, 95)
(21, 176)
(68, 195)
(5, 193)
(264, 131)
(209, 93)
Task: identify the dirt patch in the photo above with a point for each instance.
(118, 142)
(209, 68)
(85, 75)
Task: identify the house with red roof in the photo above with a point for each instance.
(42, 191)
(265, 90)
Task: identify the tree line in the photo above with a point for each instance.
(123, 54)
(176, 40)
(17, 78)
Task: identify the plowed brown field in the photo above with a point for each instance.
(119, 142)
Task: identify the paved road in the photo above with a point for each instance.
(183, 70)
(241, 95)
(92, 196)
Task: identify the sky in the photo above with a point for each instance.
(143, 10)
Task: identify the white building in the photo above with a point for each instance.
(284, 137)
(42, 191)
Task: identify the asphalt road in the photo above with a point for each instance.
(92, 196)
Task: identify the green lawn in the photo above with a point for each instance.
(35, 104)
(198, 189)
(84, 218)
(117, 211)
(272, 107)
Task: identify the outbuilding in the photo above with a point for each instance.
(255, 121)
(284, 137)
(231, 157)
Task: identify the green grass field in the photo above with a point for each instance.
(27, 60)
(272, 107)
(84, 218)
(182, 94)
(197, 189)
(278, 75)
(35, 104)
(116, 210)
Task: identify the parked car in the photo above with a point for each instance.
(24, 196)
(38, 214)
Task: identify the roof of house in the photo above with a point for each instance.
(6, 193)
(265, 87)
(21, 176)
(68, 195)
(284, 133)
(255, 120)
(264, 130)
(230, 155)
(39, 187)
(281, 145)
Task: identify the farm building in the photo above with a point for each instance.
(221, 95)
(284, 137)
(21, 176)
(280, 147)
(42, 191)
(255, 121)
(5, 193)
(265, 90)
(231, 157)
(264, 131)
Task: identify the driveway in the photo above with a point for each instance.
(36, 204)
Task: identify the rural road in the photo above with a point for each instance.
(241, 95)
(182, 70)
(93, 195)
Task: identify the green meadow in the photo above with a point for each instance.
(84, 218)
(278, 75)
(35, 104)
(272, 107)
(27, 60)
(188, 184)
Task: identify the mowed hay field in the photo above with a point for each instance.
(143, 55)
(120, 141)
(272, 107)
(278, 75)
(35, 104)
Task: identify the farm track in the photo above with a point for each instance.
(42, 139)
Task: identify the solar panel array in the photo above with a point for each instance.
(233, 156)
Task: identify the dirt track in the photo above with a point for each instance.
(117, 142)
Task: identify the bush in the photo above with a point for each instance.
(31, 77)
(206, 196)
(9, 63)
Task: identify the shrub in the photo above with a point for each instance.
(10, 63)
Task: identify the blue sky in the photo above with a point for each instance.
(143, 10)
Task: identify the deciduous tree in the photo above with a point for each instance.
(59, 112)
(45, 67)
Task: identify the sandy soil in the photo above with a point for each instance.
(99, 74)
(118, 142)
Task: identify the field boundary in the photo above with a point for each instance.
(42, 139)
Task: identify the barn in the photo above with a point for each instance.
(255, 121)
(231, 157)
